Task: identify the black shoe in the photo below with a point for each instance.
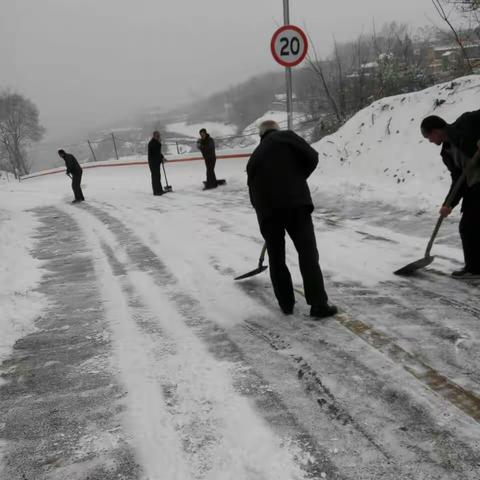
(287, 310)
(323, 311)
(465, 274)
(76, 201)
(159, 193)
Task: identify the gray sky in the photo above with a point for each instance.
(84, 62)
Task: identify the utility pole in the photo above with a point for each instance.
(91, 149)
(115, 145)
(288, 71)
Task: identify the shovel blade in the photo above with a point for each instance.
(252, 273)
(411, 268)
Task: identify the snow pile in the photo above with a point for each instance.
(215, 129)
(381, 147)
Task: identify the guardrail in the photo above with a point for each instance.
(124, 163)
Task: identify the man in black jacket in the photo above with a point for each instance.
(155, 158)
(460, 141)
(74, 171)
(206, 145)
(277, 179)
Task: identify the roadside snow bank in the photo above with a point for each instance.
(380, 152)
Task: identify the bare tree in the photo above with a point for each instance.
(316, 67)
(19, 128)
(466, 5)
(445, 17)
(470, 10)
(340, 81)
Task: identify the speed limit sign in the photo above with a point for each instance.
(289, 45)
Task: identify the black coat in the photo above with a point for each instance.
(207, 147)
(73, 167)
(155, 155)
(278, 170)
(463, 134)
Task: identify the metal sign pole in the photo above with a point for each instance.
(288, 71)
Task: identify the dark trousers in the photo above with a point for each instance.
(470, 228)
(156, 177)
(77, 189)
(297, 222)
(211, 178)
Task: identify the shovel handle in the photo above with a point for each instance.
(262, 255)
(165, 173)
(434, 235)
(456, 188)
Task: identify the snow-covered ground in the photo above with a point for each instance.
(19, 273)
(149, 362)
(216, 129)
(277, 116)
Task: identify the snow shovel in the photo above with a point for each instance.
(167, 188)
(411, 268)
(261, 267)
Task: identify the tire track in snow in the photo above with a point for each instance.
(61, 404)
(311, 382)
(421, 325)
(453, 357)
(422, 425)
(158, 446)
(292, 456)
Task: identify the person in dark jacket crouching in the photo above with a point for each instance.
(155, 159)
(277, 179)
(74, 171)
(460, 141)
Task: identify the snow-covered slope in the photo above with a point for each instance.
(215, 129)
(381, 147)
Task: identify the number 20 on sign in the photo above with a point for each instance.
(289, 45)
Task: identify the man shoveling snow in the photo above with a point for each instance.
(460, 142)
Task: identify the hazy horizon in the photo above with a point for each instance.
(85, 64)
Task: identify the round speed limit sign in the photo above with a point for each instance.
(289, 45)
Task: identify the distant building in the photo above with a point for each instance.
(442, 59)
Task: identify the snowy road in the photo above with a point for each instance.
(149, 362)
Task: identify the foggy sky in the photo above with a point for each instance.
(84, 62)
